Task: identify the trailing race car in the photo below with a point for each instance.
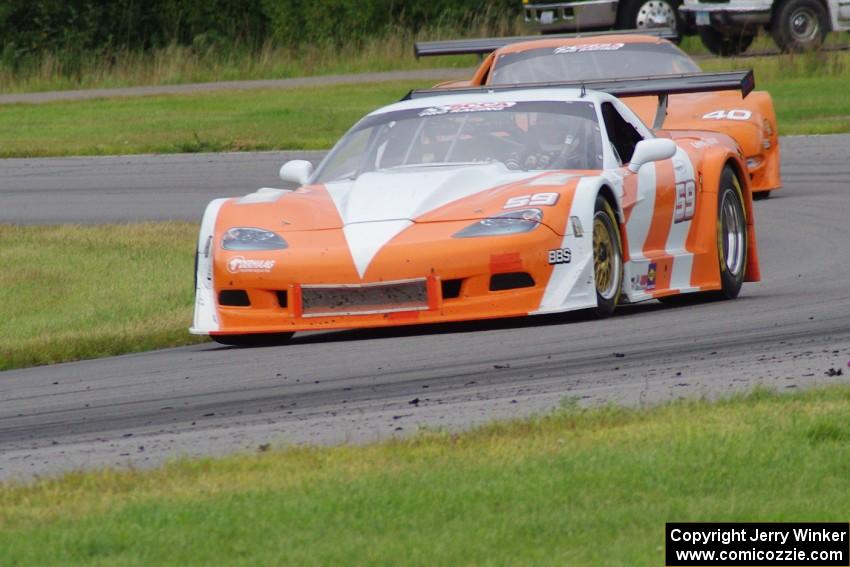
(479, 203)
(588, 57)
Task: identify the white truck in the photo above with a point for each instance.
(582, 15)
(727, 27)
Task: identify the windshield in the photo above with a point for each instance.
(590, 61)
(521, 135)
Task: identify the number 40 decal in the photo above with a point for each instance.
(686, 201)
(734, 114)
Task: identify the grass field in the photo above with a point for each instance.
(581, 487)
(304, 118)
(73, 292)
(809, 93)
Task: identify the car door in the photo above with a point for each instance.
(658, 205)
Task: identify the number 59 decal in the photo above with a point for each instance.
(686, 201)
(734, 114)
(536, 200)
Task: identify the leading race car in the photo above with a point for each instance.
(751, 121)
(471, 204)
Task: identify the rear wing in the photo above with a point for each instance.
(660, 86)
(483, 46)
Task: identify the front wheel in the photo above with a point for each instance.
(253, 340)
(607, 258)
(731, 235)
(725, 45)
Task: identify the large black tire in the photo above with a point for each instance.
(731, 235)
(647, 14)
(799, 25)
(723, 45)
(607, 258)
(253, 340)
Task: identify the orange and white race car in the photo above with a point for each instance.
(480, 203)
(574, 58)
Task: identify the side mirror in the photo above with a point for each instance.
(296, 171)
(655, 149)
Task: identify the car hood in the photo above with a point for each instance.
(411, 193)
(421, 194)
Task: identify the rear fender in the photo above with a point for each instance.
(713, 164)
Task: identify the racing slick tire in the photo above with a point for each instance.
(607, 258)
(259, 339)
(731, 235)
(725, 45)
(799, 25)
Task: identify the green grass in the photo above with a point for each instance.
(581, 487)
(304, 118)
(809, 93)
(75, 292)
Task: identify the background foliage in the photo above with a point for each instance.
(31, 27)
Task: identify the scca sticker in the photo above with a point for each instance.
(560, 256)
(466, 107)
(589, 47)
(645, 282)
(239, 264)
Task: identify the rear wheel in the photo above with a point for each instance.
(649, 14)
(258, 339)
(731, 245)
(607, 258)
(725, 45)
(800, 25)
(731, 235)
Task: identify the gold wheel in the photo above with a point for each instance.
(606, 256)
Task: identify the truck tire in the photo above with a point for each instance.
(725, 45)
(800, 25)
(649, 14)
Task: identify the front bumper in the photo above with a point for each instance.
(726, 15)
(409, 282)
(571, 16)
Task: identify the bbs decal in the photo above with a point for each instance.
(560, 256)
(536, 200)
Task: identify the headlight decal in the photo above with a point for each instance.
(250, 238)
(513, 222)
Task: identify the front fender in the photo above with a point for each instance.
(572, 286)
(205, 318)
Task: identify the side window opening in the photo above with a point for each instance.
(624, 137)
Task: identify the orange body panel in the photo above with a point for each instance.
(425, 250)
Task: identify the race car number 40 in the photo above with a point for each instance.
(734, 114)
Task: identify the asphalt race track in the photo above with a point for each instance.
(790, 331)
